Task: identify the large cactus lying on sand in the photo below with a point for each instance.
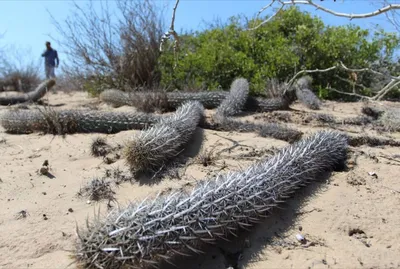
(144, 234)
(74, 121)
(152, 148)
(32, 96)
(172, 100)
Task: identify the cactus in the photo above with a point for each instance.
(386, 117)
(235, 101)
(280, 132)
(274, 130)
(152, 148)
(209, 99)
(266, 105)
(356, 141)
(144, 234)
(233, 104)
(32, 96)
(305, 95)
(173, 100)
(390, 120)
(74, 121)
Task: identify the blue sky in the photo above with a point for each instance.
(26, 24)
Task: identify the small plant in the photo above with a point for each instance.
(97, 190)
(207, 157)
(99, 147)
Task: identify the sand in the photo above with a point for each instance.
(350, 220)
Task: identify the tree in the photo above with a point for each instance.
(114, 50)
(291, 41)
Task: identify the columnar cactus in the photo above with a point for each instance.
(146, 233)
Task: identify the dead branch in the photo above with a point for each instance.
(171, 31)
(394, 82)
(282, 4)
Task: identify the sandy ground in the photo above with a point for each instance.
(350, 220)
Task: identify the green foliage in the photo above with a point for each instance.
(291, 41)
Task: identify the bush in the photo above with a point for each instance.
(291, 41)
(115, 50)
(17, 74)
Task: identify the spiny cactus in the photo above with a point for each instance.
(388, 118)
(279, 131)
(144, 234)
(32, 96)
(209, 99)
(152, 148)
(274, 130)
(257, 104)
(173, 100)
(149, 101)
(235, 101)
(304, 93)
(74, 121)
(356, 141)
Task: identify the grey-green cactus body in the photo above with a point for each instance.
(74, 121)
(143, 234)
(149, 150)
(32, 96)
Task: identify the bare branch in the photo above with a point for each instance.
(282, 4)
(171, 30)
(394, 82)
(350, 93)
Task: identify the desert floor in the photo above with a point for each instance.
(350, 220)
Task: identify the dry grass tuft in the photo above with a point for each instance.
(206, 157)
(97, 190)
(99, 147)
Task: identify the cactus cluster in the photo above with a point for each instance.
(146, 233)
(32, 96)
(152, 148)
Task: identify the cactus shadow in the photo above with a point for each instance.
(172, 168)
(239, 252)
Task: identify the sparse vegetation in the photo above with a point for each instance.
(99, 147)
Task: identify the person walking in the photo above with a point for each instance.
(51, 60)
